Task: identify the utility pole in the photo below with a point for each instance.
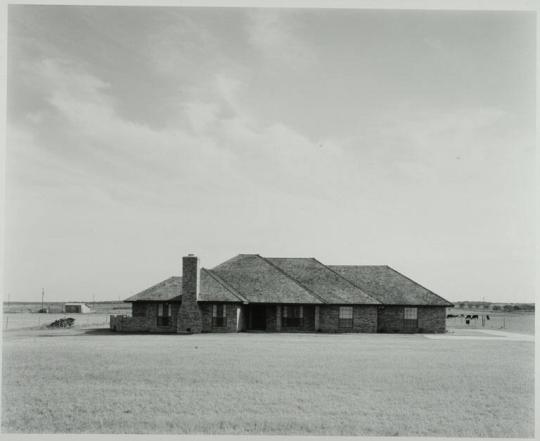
(42, 296)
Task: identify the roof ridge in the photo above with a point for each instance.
(421, 286)
(276, 257)
(229, 259)
(224, 284)
(354, 266)
(347, 280)
(292, 278)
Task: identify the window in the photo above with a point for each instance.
(411, 313)
(345, 316)
(164, 314)
(292, 316)
(410, 318)
(219, 315)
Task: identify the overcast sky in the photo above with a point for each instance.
(138, 135)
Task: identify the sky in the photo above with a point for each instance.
(137, 135)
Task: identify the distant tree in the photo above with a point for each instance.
(508, 308)
(516, 307)
(496, 308)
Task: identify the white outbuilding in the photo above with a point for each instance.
(76, 308)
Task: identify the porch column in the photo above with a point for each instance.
(239, 318)
(316, 317)
(278, 318)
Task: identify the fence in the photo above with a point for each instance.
(484, 321)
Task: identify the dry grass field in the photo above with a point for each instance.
(93, 381)
(521, 322)
(32, 320)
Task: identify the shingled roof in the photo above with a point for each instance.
(214, 289)
(258, 281)
(322, 281)
(389, 286)
(251, 278)
(169, 290)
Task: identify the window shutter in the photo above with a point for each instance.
(301, 313)
(160, 310)
(214, 310)
(169, 310)
(285, 308)
(224, 310)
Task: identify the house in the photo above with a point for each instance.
(76, 307)
(254, 293)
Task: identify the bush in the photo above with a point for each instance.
(62, 323)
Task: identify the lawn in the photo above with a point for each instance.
(363, 384)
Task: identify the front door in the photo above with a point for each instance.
(258, 317)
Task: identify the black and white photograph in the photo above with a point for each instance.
(303, 219)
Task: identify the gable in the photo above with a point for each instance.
(389, 286)
(169, 290)
(322, 281)
(258, 281)
(213, 289)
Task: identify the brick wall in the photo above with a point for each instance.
(364, 319)
(231, 312)
(308, 324)
(390, 319)
(431, 319)
(189, 314)
(144, 319)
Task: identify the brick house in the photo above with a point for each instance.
(250, 292)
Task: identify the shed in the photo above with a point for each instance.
(76, 308)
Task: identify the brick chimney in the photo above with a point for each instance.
(189, 314)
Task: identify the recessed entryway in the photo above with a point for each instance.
(257, 317)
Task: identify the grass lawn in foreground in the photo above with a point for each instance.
(361, 384)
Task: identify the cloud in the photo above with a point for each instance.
(224, 147)
(199, 138)
(182, 48)
(220, 147)
(274, 35)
